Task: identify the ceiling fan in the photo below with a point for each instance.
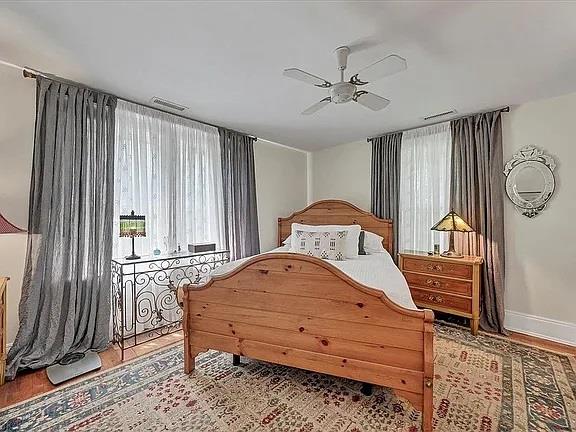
(346, 91)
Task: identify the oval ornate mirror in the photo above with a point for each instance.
(530, 180)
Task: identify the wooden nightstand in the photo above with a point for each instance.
(450, 285)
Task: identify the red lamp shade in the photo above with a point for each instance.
(7, 227)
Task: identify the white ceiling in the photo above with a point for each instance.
(224, 60)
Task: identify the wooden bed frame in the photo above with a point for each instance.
(300, 311)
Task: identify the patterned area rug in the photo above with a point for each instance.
(482, 384)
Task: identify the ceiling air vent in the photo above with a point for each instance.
(442, 114)
(168, 104)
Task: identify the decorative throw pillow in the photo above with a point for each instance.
(329, 245)
(351, 250)
(361, 250)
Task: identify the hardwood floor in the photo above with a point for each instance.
(30, 384)
(542, 343)
(514, 336)
(34, 383)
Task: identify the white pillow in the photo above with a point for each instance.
(373, 242)
(288, 240)
(351, 238)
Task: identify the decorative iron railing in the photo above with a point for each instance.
(145, 293)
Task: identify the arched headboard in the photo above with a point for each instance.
(337, 212)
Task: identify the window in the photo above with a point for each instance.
(424, 186)
(168, 169)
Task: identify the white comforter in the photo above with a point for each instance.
(375, 271)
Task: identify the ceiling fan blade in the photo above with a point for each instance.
(300, 75)
(371, 100)
(317, 106)
(382, 68)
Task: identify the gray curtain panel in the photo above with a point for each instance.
(65, 304)
(477, 194)
(385, 190)
(239, 184)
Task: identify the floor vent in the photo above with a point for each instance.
(442, 114)
(168, 104)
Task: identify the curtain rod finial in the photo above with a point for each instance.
(28, 73)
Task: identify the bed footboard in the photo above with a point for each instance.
(300, 311)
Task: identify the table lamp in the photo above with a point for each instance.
(8, 228)
(132, 225)
(452, 222)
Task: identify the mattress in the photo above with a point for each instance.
(376, 271)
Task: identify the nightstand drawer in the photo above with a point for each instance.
(435, 299)
(439, 283)
(437, 267)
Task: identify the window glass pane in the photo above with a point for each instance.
(424, 186)
(168, 169)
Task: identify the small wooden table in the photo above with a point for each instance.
(450, 285)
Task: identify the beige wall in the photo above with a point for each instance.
(17, 106)
(281, 187)
(281, 181)
(343, 172)
(540, 252)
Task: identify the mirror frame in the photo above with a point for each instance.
(530, 156)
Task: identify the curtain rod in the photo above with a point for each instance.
(31, 73)
(503, 109)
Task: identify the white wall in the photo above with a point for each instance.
(343, 172)
(281, 187)
(17, 107)
(540, 252)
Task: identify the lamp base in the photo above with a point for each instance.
(132, 256)
(451, 254)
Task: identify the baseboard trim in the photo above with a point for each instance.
(544, 328)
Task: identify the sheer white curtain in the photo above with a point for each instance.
(168, 169)
(424, 186)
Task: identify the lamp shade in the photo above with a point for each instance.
(132, 225)
(452, 222)
(7, 227)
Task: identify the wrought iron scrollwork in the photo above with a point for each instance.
(144, 293)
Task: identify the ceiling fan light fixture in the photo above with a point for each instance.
(342, 92)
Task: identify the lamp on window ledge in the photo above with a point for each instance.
(132, 225)
(8, 228)
(452, 222)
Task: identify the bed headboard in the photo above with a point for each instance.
(336, 212)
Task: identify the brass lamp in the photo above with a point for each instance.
(132, 225)
(452, 222)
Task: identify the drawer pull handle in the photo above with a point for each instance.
(435, 267)
(435, 299)
(434, 283)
